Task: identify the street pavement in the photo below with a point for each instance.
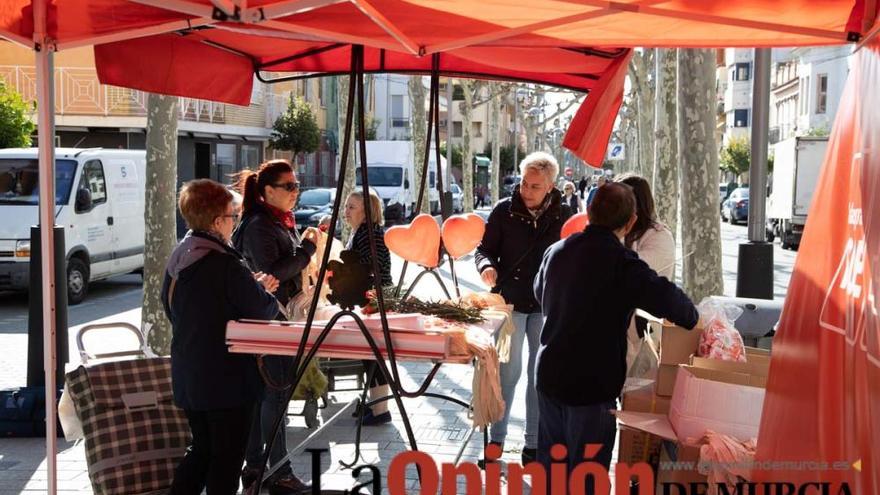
(440, 427)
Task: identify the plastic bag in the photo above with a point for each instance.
(70, 423)
(720, 339)
(646, 361)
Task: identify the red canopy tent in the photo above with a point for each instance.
(211, 49)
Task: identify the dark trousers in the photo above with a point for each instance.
(274, 402)
(373, 367)
(213, 460)
(574, 427)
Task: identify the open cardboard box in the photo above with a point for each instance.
(676, 343)
(705, 399)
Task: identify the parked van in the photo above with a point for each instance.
(99, 200)
(391, 172)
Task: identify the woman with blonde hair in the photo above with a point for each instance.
(355, 216)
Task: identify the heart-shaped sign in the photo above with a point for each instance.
(577, 223)
(463, 233)
(418, 242)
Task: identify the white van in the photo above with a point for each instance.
(99, 198)
(391, 172)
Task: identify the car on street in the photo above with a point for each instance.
(312, 206)
(735, 208)
(457, 198)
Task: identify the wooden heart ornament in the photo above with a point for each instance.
(463, 233)
(418, 242)
(577, 223)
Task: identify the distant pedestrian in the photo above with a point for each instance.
(582, 186)
(570, 198)
(599, 183)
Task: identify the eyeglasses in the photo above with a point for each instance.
(233, 216)
(288, 186)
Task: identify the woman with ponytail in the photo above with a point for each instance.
(270, 242)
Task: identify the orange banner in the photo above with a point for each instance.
(821, 419)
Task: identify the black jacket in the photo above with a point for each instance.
(589, 285)
(510, 232)
(216, 288)
(271, 248)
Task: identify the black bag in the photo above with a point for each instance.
(23, 412)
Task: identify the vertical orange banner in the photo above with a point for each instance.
(821, 419)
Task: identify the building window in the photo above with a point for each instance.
(805, 101)
(321, 83)
(397, 117)
(821, 93)
(742, 71)
(456, 129)
(741, 117)
(249, 157)
(457, 93)
(477, 129)
(225, 160)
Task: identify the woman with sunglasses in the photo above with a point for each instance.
(270, 242)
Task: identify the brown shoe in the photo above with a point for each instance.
(286, 484)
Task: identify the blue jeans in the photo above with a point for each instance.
(274, 403)
(574, 427)
(527, 325)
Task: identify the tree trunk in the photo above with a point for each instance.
(701, 230)
(665, 170)
(495, 133)
(419, 133)
(342, 87)
(641, 66)
(160, 216)
(468, 86)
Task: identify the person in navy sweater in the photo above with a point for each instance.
(589, 285)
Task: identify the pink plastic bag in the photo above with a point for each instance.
(720, 339)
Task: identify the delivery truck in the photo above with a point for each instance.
(796, 166)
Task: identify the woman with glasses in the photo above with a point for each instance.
(205, 272)
(270, 242)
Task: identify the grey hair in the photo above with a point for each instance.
(542, 162)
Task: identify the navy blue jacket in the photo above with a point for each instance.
(510, 231)
(208, 293)
(589, 285)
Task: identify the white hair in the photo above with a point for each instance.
(542, 162)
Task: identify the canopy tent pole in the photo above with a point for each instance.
(44, 49)
(754, 276)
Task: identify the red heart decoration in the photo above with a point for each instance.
(463, 233)
(577, 223)
(418, 242)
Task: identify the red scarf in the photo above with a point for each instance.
(285, 217)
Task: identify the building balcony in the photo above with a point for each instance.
(78, 93)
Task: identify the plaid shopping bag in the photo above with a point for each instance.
(134, 434)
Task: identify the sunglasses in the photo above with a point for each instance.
(288, 186)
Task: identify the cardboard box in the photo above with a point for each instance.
(682, 453)
(705, 399)
(665, 384)
(757, 365)
(637, 446)
(721, 401)
(676, 343)
(643, 399)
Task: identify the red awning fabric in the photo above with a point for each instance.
(154, 45)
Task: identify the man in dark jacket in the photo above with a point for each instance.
(518, 231)
(589, 285)
(582, 186)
